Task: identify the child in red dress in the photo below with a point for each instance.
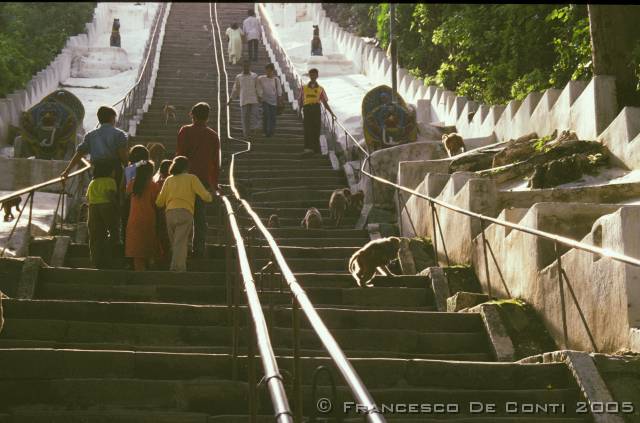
(141, 242)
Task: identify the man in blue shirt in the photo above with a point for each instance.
(103, 143)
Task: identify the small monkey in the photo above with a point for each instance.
(376, 253)
(453, 144)
(8, 205)
(338, 204)
(168, 110)
(274, 221)
(157, 153)
(312, 220)
(356, 202)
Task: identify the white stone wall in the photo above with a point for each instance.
(48, 79)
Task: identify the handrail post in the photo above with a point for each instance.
(33, 194)
(251, 367)
(486, 260)
(435, 232)
(236, 323)
(297, 365)
(228, 264)
(562, 302)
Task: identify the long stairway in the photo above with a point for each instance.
(121, 347)
(404, 350)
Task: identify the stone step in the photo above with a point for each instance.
(25, 364)
(319, 233)
(147, 416)
(213, 251)
(230, 397)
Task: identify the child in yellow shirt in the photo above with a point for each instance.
(103, 214)
(178, 196)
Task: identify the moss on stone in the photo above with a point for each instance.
(525, 328)
(540, 144)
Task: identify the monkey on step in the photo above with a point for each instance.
(8, 205)
(453, 144)
(376, 253)
(312, 220)
(338, 204)
(168, 110)
(274, 221)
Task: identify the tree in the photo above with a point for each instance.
(614, 38)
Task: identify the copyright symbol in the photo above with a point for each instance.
(324, 405)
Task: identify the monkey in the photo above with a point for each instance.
(8, 205)
(356, 202)
(453, 144)
(168, 110)
(274, 221)
(376, 253)
(312, 220)
(157, 153)
(338, 204)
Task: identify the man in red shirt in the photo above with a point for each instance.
(201, 145)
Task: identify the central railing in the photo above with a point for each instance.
(332, 125)
(272, 377)
(360, 393)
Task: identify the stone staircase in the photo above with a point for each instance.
(120, 346)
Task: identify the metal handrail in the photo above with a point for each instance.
(272, 375)
(45, 184)
(360, 392)
(272, 378)
(135, 97)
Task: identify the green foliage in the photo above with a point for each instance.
(32, 34)
(540, 144)
(490, 53)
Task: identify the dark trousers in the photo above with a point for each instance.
(103, 225)
(312, 125)
(199, 226)
(252, 48)
(123, 201)
(269, 113)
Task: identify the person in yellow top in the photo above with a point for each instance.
(178, 196)
(311, 95)
(102, 223)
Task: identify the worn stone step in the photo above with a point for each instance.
(100, 335)
(146, 416)
(213, 251)
(304, 252)
(193, 265)
(224, 396)
(320, 242)
(319, 233)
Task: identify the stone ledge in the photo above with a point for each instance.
(586, 375)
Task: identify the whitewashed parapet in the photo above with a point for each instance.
(133, 125)
(47, 80)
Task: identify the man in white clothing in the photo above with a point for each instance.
(245, 86)
(269, 94)
(251, 28)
